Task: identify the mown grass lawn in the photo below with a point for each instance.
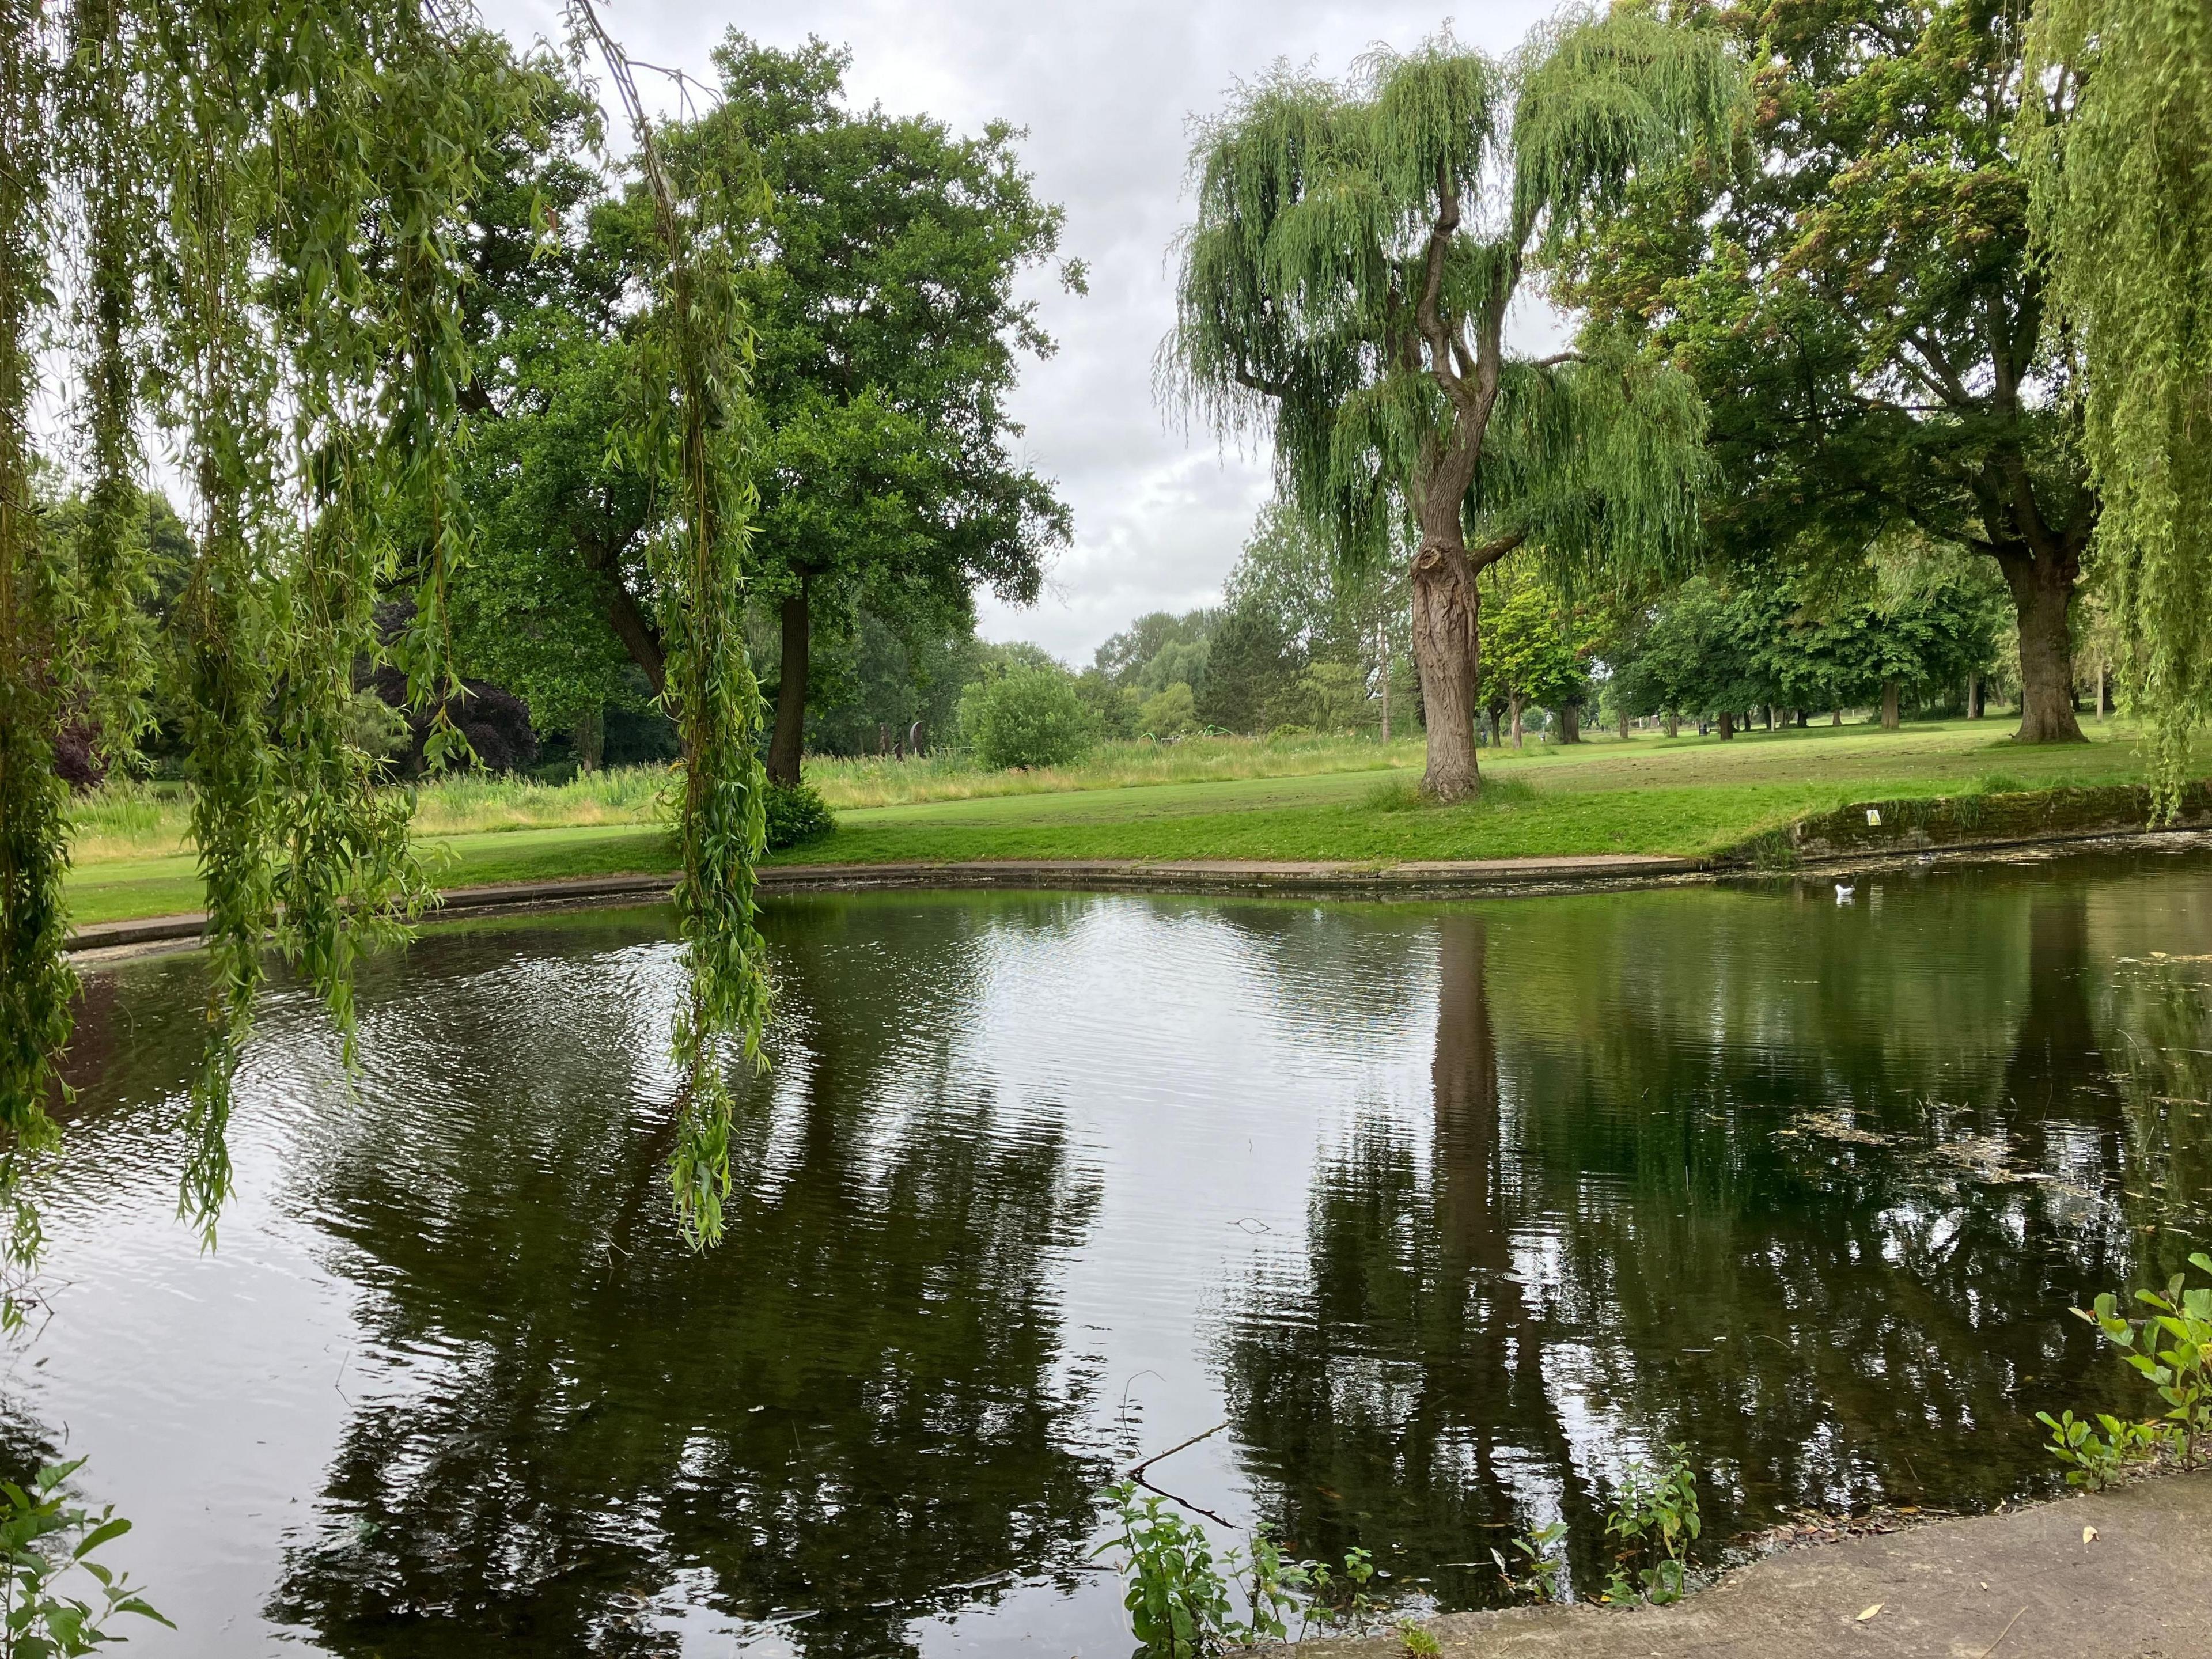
(1687, 796)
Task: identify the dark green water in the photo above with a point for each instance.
(1443, 1209)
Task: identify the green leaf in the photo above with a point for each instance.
(105, 1532)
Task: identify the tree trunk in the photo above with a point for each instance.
(1728, 724)
(1447, 654)
(1624, 725)
(1515, 706)
(1571, 724)
(1889, 714)
(636, 634)
(2042, 593)
(1768, 711)
(1973, 696)
(2104, 692)
(589, 739)
(1383, 656)
(1674, 723)
(789, 739)
(1836, 717)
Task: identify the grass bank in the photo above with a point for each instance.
(1216, 799)
(138, 822)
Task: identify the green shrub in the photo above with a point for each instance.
(796, 813)
(1168, 714)
(1026, 717)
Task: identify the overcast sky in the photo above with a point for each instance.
(1105, 90)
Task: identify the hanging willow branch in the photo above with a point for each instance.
(36, 984)
(262, 208)
(106, 164)
(2119, 168)
(695, 352)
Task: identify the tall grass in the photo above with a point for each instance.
(147, 820)
(874, 781)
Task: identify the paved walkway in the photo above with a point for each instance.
(2023, 1585)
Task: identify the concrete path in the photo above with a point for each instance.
(2022, 1585)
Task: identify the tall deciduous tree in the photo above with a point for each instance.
(1345, 282)
(1856, 298)
(889, 334)
(879, 274)
(2120, 176)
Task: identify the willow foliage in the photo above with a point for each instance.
(1332, 218)
(2121, 192)
(259, 210)
(695, 358)
(36, 985)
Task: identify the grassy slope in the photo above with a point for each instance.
(1688, 796)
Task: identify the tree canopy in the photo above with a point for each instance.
(1711, 650)
(879, 259)
(1344, 288)
(1851, 286)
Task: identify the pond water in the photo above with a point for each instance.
(1445, 1211)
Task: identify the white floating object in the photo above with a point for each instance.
(1844, 891)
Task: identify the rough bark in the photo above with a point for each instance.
(1571, 724)
(1728, 725)
(2042, 595)
(788, 739)
(1446, 605)
(1890, 717)
(639, 636)
(1446, 652)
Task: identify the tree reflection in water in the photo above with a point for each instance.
(1637, 1222)
(1506, 1193)
(856, 1408)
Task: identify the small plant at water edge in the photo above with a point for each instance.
(1182, 1601)
(2171, 1347)
(1542, 1574)
(1177, 1599)
(1342, 1598)
(44, 1538)
(2094, 1461)
(1416, 1640)
(1654, 1520)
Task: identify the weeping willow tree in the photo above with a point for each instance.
(241, 226)
(2119, 171)
(1345, 287)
